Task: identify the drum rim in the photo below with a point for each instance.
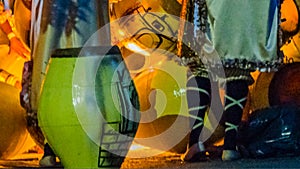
(85, 51)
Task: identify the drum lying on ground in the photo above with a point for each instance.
(89, 109)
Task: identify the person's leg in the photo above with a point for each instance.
(198, 98)
(235, 100)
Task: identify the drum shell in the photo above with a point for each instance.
(60, 110)
(275, 88)
(284, 88)
(14, 136)
(259, 91)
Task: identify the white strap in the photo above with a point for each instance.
(200, 122)
(235, 102)
(231, 127)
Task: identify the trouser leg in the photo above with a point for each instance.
(235, 100)
(198, 97)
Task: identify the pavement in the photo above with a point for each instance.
(169, 160)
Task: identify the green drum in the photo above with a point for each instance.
(89, 109)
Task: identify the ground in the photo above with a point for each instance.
(171, 160)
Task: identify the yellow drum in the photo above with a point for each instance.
(164, 114)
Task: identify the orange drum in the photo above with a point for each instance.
(14, 137)
(289, 16)
(259, 91)
(291, 50)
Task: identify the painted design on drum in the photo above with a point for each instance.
(145, 27)
(106, 102)
(114, 88)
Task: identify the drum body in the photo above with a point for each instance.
(259, 91)
(14, 136)
(161, 87)
(88, 110)
(284, 87)
(275, 88)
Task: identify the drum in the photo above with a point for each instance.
(161, 87)
(290, 26)
(284, 87)
(89, 109)
(14, 136)
(289, 13)
(259, 91)
(291, 50)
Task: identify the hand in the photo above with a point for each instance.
(18, 47)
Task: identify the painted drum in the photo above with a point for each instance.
(289, 11)
(291, 50)
(259, 91)
(89, 109)
(161, 86)
(14, 137)
(284, 87)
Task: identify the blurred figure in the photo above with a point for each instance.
(59, 24)
(13, 51)
(243, 36)
(7, 27)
